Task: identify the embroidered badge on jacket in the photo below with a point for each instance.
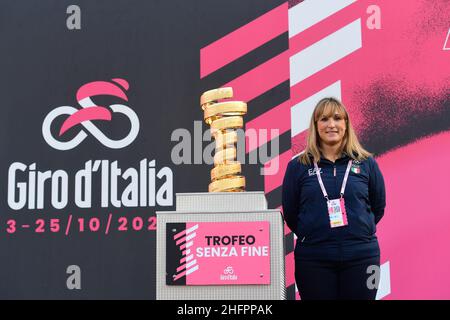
(355, 169)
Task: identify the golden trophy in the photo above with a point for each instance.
(224, 210)
(224, 117)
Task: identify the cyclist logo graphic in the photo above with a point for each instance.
(90, 111)
(228, 274)
(228, 270)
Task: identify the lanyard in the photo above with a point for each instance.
(344, 183)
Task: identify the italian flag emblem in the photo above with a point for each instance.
(356, 169)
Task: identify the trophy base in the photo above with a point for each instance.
(223, 207)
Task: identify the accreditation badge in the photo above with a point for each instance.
(336, 213)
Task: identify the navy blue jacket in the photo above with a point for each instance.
(306, 214)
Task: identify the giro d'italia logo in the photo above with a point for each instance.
(89, 112)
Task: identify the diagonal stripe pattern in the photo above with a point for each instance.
(320, 33)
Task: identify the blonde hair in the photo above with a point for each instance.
(350, 144)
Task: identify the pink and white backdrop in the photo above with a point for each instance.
(145, 64)
(389, 62)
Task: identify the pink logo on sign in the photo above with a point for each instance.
(92, 112)
(224, 253)
(185, 240)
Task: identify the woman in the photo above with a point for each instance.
(333, 196)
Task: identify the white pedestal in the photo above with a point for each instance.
(223, 207)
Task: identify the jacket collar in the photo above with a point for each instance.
(344, 157)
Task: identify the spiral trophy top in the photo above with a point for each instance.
(224, 117)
